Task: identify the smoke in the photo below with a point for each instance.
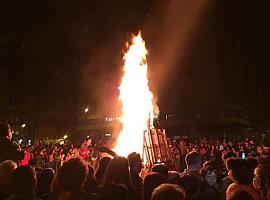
(99, 80)
(169, 32)
(167, 26)
(101, 34)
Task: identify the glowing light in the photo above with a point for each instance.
(65, 137)
(136, 98)
(23, 125)
(86, 110)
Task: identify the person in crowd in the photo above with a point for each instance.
(115, 191)
(101, 170)
(261, 180)
(86, 150)
(212, 152)
(194, 163)
(8, 150)
(90, 185)
(174, 177)
(253, 162)
(6, 172)
(24, 183)
(209, 163)
(38, 171)
(27, 157)
(183, 152)
(177, 153)
(135, 166)
(228, 154)
(68, 156)
(242, 175)
(162, 169)
(209, 187)
(151, 181)
(209, 175)
(194, 182)
(71, 177)
(227, 180)
(56, 190)
(118, 173)
(192, 186)
(168, 191)
(44, 182)
(191, 179)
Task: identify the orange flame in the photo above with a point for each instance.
(136, 98)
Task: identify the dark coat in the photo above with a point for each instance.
(9, 151)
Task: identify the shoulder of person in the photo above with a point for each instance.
(231, 188)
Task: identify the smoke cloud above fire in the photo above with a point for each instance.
(167, 26)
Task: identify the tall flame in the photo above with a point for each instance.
(136, 98)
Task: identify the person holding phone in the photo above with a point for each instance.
(8, 149)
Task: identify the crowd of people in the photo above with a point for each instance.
(214, 149)
(50, 155)
(204, 169)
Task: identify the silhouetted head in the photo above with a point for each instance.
(261, 180)
(24, 180)
(209, 174)
(102, 167)
(151, 181)
(5, 131)
(228, 154)
(6, 171)
(174, 177)
(168, 191)
(241, 171)
(192, 185)
(253, 162)
(118, 171)
(44, 181)
(72, 174)
(135, 162)
(193, 160)
(162, 170)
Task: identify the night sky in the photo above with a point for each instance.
(68, 54)
(58, 49)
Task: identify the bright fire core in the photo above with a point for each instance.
(136, 99)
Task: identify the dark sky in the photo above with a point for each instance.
(67, 54)
(50, 46)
